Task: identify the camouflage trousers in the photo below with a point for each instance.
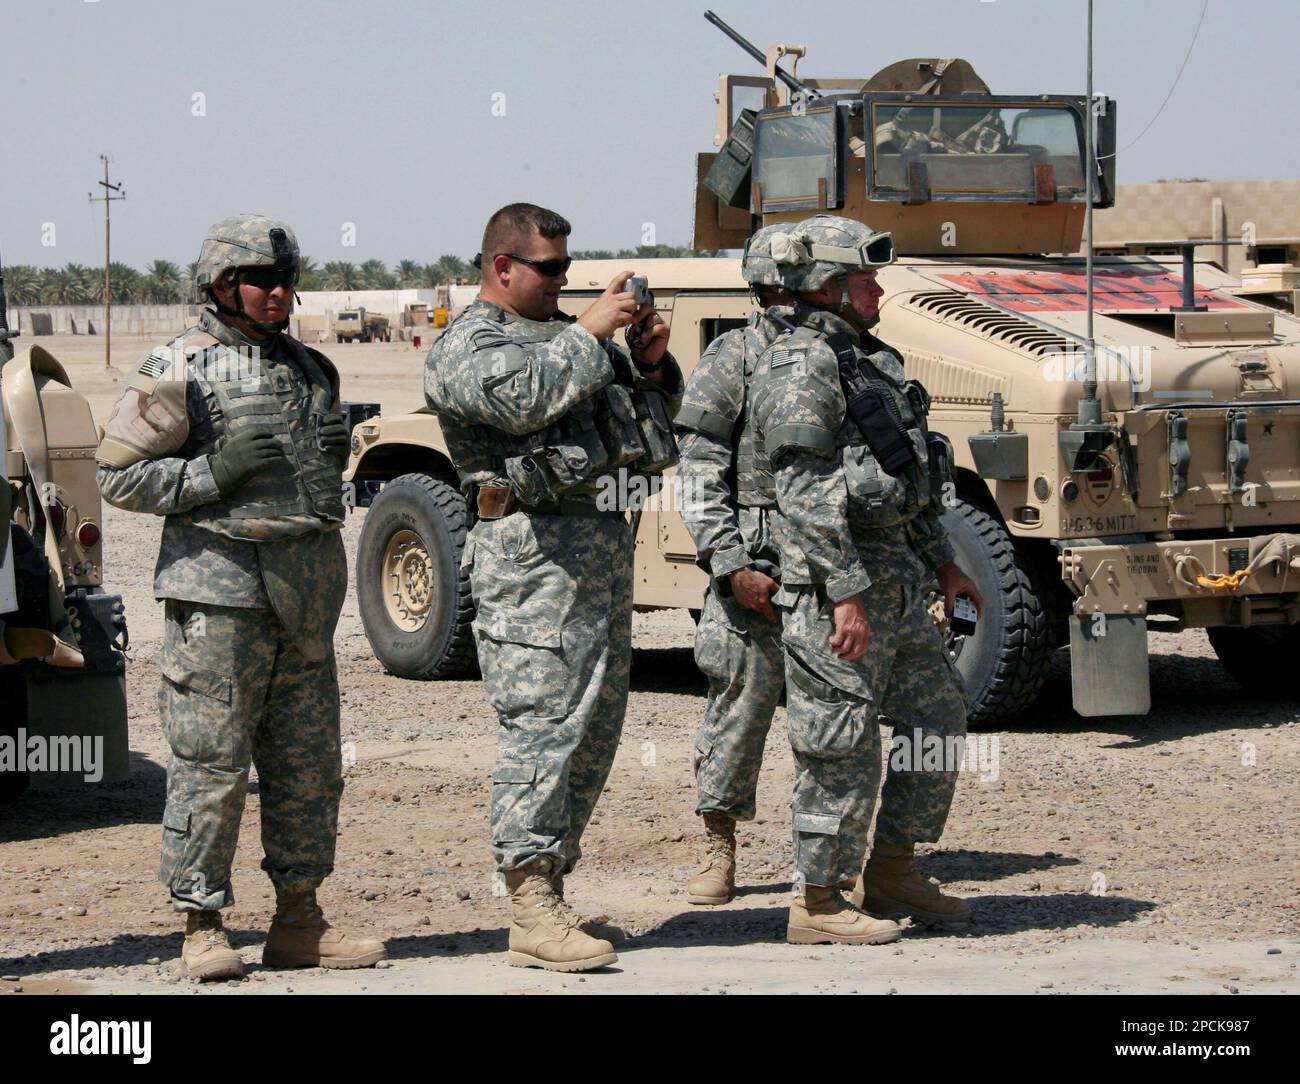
(834, 707)
(553, 626)
(236, 689)
(739, 651)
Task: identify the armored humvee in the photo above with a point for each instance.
(62, 637)
(1179, 508)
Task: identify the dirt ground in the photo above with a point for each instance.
(1146, 855)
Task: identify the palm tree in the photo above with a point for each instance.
(453, 268)
(22, 284)
(64, 286)
(408, 274)
(432, 275)
(163, 283)
(309, 276)
(341, 275)
(375, 276)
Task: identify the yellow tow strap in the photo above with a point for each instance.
(1231, 581)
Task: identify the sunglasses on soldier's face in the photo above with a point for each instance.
(550, 269)
(268, 278)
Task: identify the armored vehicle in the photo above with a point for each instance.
(357, 325)
(1176, 506)
(63, 639)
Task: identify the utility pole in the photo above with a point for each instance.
(111, 192)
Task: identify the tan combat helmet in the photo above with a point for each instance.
(810, 253)
(242, 242)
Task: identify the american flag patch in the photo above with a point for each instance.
(156, 364)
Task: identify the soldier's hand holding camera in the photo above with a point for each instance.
(953, 582)
(247, 453)
(612, 310)
(333, 437)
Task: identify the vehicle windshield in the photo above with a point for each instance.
(976, 150)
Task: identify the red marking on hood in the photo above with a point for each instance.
(1066, 290)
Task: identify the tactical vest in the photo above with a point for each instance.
(893, 466)
(622, 426)
(288, 396)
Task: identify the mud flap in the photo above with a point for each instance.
(85, 708)
(1109, 667)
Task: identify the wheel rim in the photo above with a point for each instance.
(408, 581)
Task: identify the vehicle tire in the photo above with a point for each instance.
(415, 602)
(1261, 660)
(340, 338)
(1005, 663)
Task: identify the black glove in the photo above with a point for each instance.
(249, 452)
(333, 437)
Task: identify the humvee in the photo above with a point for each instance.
(63, 639)
(1176, 506)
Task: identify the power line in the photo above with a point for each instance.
(1177, 77)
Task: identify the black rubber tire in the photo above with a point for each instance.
(1005, 663)
(444, 646)
(1260, 660)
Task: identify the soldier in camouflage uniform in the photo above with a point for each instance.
(539, 411)
(232, 432)
(859, 483)
(726, 500)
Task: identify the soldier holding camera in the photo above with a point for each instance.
(536, 407)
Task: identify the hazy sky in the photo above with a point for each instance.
(381, 114)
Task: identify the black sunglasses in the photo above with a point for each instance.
(268, 278)
(549, 268)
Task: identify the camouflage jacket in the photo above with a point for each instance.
(824, 535)
(170, 433)
(724, 482)
(492, 376)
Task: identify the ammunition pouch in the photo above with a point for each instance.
(550, 462)
(616, 422)
(656, 426)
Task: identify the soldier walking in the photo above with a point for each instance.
(232, 432)
(859, 483)
(727, 499)
(537, 408)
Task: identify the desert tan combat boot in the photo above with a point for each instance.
(598, 927)
(820, 916)
(715, 883)
(890, 885)
(545, 931)
(206, 953)
(300, 937)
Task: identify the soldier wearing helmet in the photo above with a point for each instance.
(860, 483)
(233, 433)
(726, 501)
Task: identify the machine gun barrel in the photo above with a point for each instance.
(753, 50)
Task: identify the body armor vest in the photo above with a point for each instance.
(755, 487)
(288, 395)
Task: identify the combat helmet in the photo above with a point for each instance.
(810, 253)
(240, 242)
(757, 266)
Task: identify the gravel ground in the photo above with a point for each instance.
(1119, 854)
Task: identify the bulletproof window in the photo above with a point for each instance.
(990, 148)
(1271, 254)
(796, 158)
